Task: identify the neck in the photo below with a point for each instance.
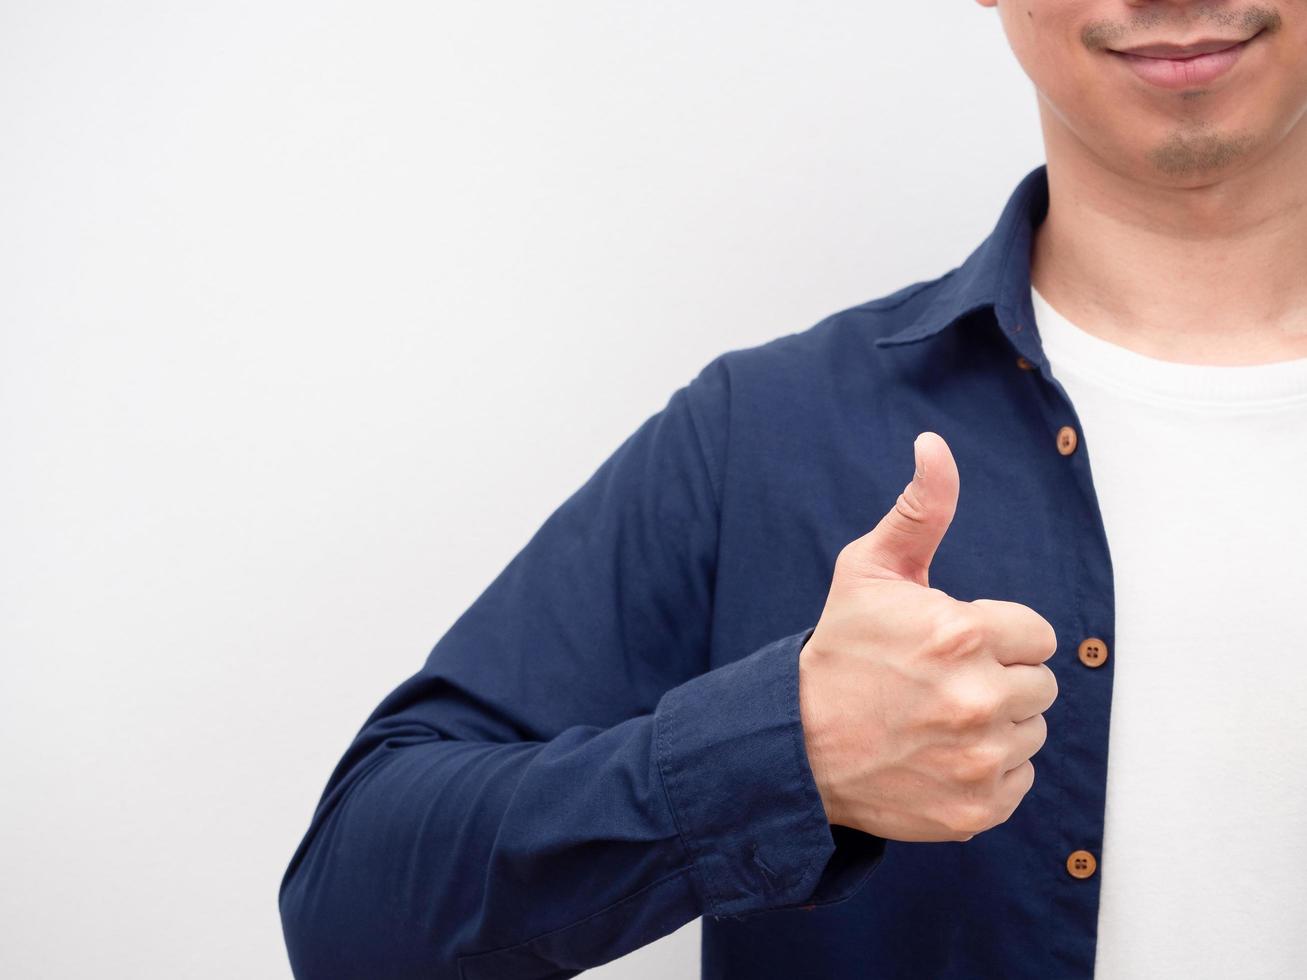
(1214, 272)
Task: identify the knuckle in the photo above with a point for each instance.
(967, 710)
(969, 819)
(972, 774)
(978, 764)
(959, 633)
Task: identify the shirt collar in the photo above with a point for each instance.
(995, 275)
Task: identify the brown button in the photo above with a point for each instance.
(1093, 652)
(1081, 864)
(1066, 440)
(1024, 364)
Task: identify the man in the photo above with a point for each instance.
(705, 687)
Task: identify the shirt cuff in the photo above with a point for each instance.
(735, 768)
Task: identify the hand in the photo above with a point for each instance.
(920, 711)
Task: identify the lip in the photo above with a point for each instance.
(1183, 66)
(1201, 46)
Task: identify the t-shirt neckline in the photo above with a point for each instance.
(1247, 385)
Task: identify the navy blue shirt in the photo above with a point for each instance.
(607, 744)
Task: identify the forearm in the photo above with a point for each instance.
(440, 849)
(531, 859)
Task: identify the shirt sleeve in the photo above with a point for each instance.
(564, 780)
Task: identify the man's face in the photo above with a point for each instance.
(1186, 135)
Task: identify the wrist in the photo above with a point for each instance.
(815, 729)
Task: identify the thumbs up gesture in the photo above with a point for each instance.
(921, 712)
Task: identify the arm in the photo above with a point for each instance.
(564, 780)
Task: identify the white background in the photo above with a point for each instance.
(312, 312)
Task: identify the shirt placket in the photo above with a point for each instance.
(1085, 681)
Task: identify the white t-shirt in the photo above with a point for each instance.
(1201, 477)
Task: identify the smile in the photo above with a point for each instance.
(1178, 73)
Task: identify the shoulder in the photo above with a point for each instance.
(793, 388)
(838, 346)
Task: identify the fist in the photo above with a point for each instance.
(920, 711)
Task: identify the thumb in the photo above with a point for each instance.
(902, 545)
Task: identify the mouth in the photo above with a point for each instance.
(1176, 66)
